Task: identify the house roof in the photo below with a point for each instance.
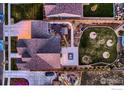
(22, 29)
(28, 29)
(38, 63)
(69, 8)
(21, 43)
(34, 46)
(26, 54)
(52, 46)
(40, 43)
(39, 29)
(44, 54)
(19, 60)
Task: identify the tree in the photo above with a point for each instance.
(25, 12)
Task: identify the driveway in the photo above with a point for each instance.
(33, 77)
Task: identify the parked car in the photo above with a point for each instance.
(49, 74)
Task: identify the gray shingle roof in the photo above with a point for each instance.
(71, 8)
(39, 29)
(36, 63)
(32, 46)
(52, 46)
(35, 46)
(26, 54)
(21, 50)
(41, 42)
(19, 60)
(21, 43)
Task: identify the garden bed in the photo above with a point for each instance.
(95, 50)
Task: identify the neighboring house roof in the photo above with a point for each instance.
(66, 8)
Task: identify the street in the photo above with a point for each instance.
(1, 52)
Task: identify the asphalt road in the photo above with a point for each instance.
(1, 52)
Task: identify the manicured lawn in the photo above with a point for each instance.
(98, 10)
(94, 49)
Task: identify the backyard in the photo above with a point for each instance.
(98, 10)
(25, 12)
(97, 44)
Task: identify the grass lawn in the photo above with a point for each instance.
(94, 49)
(98, 10)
